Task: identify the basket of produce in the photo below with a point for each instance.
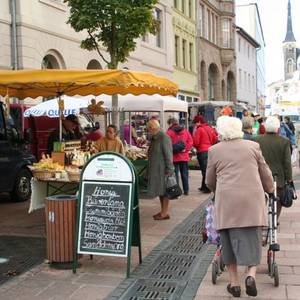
(45, 168)
(73, 174)
(42, 174)
(135, 153)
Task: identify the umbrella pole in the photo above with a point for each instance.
(60, 119)
(130, 132)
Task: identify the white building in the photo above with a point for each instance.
(34, 35)
(246, 68)
(248, 18)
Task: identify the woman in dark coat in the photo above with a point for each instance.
(276, 151)
(160, 164)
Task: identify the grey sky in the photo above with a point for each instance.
(273, 15)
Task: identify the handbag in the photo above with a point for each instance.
(288, 195)
(173, 189)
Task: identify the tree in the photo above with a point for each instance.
(113, 25)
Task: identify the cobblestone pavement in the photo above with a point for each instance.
(288, 260)
(94, 279)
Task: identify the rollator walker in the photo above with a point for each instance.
(271, 236)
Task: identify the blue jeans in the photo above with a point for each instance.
(202, 159)
(183, 168)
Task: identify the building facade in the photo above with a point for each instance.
(217, 66)
(34, 35)
(185, 49)
(246, 68)
(248, 18)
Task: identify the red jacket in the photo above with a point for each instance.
(204, 137)
(178, 133)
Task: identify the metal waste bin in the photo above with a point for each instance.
(60, 227)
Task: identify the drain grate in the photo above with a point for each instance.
(172, 267)
(186, 244)
(151, 289)
(195, 228)
(21, 254)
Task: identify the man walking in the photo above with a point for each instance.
(182, 143)
(204, 137)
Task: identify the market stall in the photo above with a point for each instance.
(56, 83)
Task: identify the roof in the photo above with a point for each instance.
(248, 37)
(289, 37)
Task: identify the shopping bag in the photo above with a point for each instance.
(173, 189)
(295, 157)
(213, 236)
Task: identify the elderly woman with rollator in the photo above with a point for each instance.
(239, 176)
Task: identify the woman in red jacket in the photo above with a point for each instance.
(204, 137)
(182, 143)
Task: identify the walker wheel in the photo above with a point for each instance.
(269, 262)
(276, 274)
(222, 265)
(214, 272)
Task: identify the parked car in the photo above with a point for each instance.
(15, 176)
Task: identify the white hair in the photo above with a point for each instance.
(229, 128)
(272, 124)
(153, 124)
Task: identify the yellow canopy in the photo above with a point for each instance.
(46, 83)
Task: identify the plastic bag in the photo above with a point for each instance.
(295, 157)
(212, 235)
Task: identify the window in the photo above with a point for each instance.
(226, 33)
(253, 84)
(239, 44)
(183, 6)
(245, 80)
(213, 27)
(189, 99)
(248, 51)
(290, 66)
(176, 50)
(240, 78)
(249, 84)
(202, 21)
(176, 3)
(209, 25)
(184, 54)
(181, 97)
(158, 34)
(190, 9)
(191, 56)
(217, 31)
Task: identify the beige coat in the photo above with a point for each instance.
(239, 175)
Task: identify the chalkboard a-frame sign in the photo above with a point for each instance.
(108, 213)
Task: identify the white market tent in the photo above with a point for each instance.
(146, 103)
(127, 103)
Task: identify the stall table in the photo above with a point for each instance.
(140, 166)
(50, 187)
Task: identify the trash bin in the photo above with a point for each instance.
(60, 227)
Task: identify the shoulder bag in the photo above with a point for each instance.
(288, 195)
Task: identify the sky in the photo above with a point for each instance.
(273, 14)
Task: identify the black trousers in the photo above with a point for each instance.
(202, 159)
(183, 168)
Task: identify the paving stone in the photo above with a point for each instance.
(99, 280)
(90, 292)
(61, 289)
(293, 292)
